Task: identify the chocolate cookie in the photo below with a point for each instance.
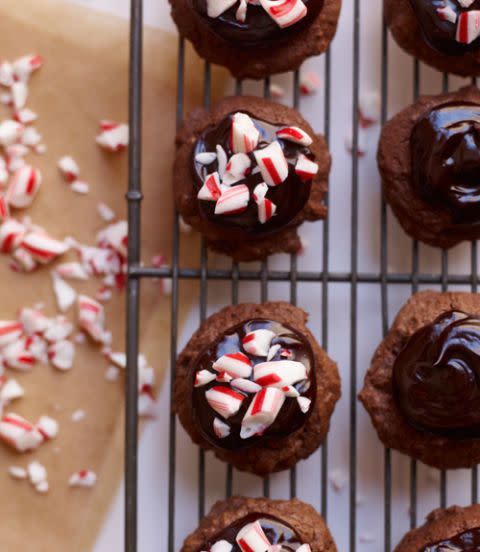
(445, 530)
(441, 33)
(240, 524)
(254, 386)
(247, 174)
(429, 160)
(256, 39)
(423, 387)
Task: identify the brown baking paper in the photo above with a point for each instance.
(85, 79)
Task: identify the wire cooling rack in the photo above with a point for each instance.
(235, 274)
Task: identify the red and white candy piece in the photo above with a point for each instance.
(10, 390)
(368, 112)
(245, 135)
(10, 331)
(468, 26)
(6, 74)
(206, 157)
(31, 137)
(241, 13)
(465, 3)
(25, 116)
(42, 247)
(290, 391)
(105, 211)
(59, 328)
(33, 321)
(221, 160)
(91, 317)
(37, 473)
(61, 354)
(305, 168)
(272, 163)
(114, 136)
(48, 427)
(4, 208)
(215, 8)
(258, 342)
(221, 546)
(22, 261)
(203, 377)
(279, 373)
(69, 168)
(72, 271)
(304, 403)
(23, 187)
(447, 13)
(285, 12)
(38, 347)
(251, 538)
(266, 210)
(116, 237)
(64, 293)
(210, 191)
(224, 400)
(223, 377)
(10, 132)
(83, 478)
(245, 385)
(273, 351)
(309, 83)
(295, 135)
(19, 433)
(238, 167)
(237, 365)
(262, 411)
(304, 548)
(232, 201)
(25, 66)
(221, 429)
(17, 356)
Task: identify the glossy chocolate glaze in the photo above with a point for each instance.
(438, 33)
(290, 417)
(445, 149)
(436, 376)
(289, 197)
(277, 532)
(259, 29)
(468, 541)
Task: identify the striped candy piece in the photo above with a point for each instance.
(224, 401)
(236, 365)
(244, 135)
(285, 13)
(295, 135)
(262, 412)
(272, 163)
(279, 373)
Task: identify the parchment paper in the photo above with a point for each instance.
(85, 79)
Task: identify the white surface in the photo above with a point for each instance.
(153, 476)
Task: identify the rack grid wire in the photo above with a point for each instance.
(324, 277)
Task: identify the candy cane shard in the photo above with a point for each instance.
(251, 538)
(304, 403)
(17, 356)
(25, 116)
(221, 429)
(25, 66)
(10, 132)
(221, 160)
(203, 377)
(72, 271)
(245, 385)
(295, 135)
(91, 318)
(468, 26)
(23, 187)
(10, 390)
(465, 3)
(233, 200)
(258, 342)
(17, 472)
(210, 191)
(237, 365)
(48, 427)
(32, 321)
(262, 412)
(114, 137)
(215, 8)
(10, 331)
(272, 163)
(238, 167)
(42, 247)
(115, 236)
(83, 478)
(305, 168)
(6, 74)
(224, 401)
(304, 548)
(69, 168)
(241, 13)
(19, 433)
(279, 373)
(245, 135)
(64, 293)
(61, 354)
(59, 328)
(285, 13)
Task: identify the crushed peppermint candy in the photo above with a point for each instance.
(83, 478)
(113, 136)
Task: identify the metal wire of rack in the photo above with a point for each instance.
(263, 276)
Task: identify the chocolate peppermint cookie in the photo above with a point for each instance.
(247, 174)
(256, 38)
(423, 388)
(429, 160)
(441, 33)
(254, 386)
(259, 524)
(453, 529)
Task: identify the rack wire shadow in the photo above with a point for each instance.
(323, 276)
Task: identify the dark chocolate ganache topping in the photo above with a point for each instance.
(256, 381)
(289, 197)
(274, 530)
(440, 20)
(445, 150)
(437, 376)
(468, 541)
(258, 29)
